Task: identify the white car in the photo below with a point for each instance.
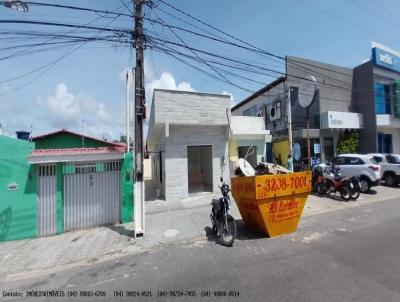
(361, 166)
(390, 167)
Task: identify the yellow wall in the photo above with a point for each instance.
(233, 150)
(281, 148)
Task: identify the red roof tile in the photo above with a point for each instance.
(73, 151)
(74, 133)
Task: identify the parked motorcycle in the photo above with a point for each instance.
(333, 182)
(355, 189)
(223, 224)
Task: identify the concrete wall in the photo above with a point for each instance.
(18, 203)
(335, 92)
(176, 162)
(364, 102)
(156, 184)
(186, 108)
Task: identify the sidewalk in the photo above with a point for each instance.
(166, 222)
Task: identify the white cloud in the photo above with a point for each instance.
(64, 109)
(166, 81)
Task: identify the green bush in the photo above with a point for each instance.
(348, 142)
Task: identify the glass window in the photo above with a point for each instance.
(328, 148)
(354, 161)
(393, 159)
(252, 111)
(377, 159)
(340, 160)
(382, 99)
(385, 143)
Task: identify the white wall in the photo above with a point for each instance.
(185, 108)
(176, 163)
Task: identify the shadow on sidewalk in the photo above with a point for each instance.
(371, 192)
(242, 233)
(122, 230)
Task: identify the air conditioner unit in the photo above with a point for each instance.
(274, 112)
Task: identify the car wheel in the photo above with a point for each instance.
(390, 180)
(364, 185)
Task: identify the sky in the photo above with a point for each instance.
(87, 87)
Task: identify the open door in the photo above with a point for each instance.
(200, 172)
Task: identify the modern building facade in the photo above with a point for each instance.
(376, 94)
(330, 114)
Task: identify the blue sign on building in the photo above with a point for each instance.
(385, 59)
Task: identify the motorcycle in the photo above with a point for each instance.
(334, 182)
(223, 224)
(355, 190)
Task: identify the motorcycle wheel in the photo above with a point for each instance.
(345, 193)
(214, 226)
(228, 235)
(355, 193)
(321, 189)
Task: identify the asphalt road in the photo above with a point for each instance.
(346, 255)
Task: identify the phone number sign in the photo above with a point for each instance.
(269, 186)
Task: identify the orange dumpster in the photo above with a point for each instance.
(272, 204)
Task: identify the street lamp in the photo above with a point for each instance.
(17, 5)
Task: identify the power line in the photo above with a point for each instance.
(236, 61)
(205, 62)
(373, 12)
(32, 22)
(71, 7)
(330, 13)
(254, 50)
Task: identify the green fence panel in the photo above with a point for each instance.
(127, 186)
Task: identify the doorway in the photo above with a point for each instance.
(200, 172)
(329, 151)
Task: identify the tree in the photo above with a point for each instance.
(348, 142)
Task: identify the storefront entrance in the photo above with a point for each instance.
(200, 171)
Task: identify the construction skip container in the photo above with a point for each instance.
(272, 204)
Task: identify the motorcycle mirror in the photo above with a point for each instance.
(221, 179)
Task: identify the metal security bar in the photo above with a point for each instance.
(47, 209)
(112, 166)
(48, 170)
(85, 168)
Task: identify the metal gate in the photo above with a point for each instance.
(47, 205)
(90, 197)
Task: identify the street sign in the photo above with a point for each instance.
(317, 148)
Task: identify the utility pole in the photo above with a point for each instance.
(127, 114)
(289, 113)
(139, 117)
